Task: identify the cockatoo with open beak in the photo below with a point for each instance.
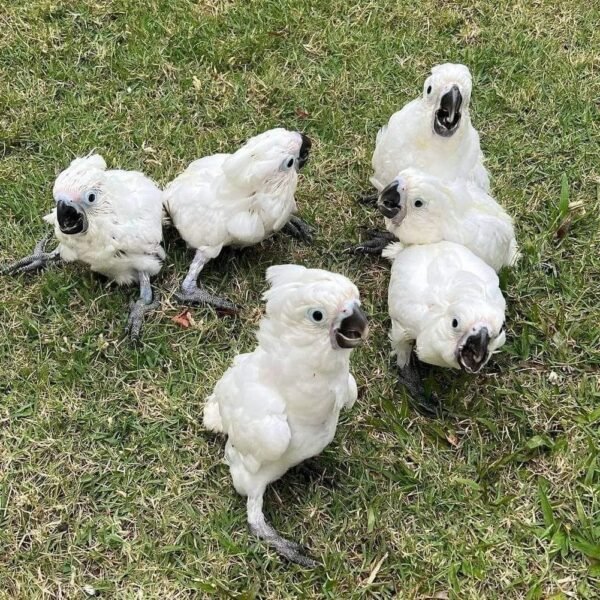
(237, 199)
(447, 303)
(109, 220)
(279, 404)
(424, 209)
(433, 133)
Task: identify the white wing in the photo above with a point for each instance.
(253, 415)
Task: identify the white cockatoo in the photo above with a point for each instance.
(433, 133)
(109, 220)
(424, 209)
(279, 404)
(446, 302)
(237, 199)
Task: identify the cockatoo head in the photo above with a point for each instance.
(418, 206)
(467, 330)
(269, 161)
(313, 308)
(79, 192)
(447, 93)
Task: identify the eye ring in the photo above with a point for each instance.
(90, 196)
(316, 315)
(418, 202)
(455, 323)
(429, 89)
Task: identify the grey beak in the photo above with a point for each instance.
(304, 150)
(473, 354)
(390, 201)
(451, 102)
(70, 217)
(352, 330)
(448, 115)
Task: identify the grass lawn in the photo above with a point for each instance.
(108, 481)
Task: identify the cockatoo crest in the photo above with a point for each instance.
(305, 305)
(433, 132)
(441, 80)
(108, 219)
(270, 158)
(82, 175)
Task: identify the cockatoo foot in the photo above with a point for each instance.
(135, 321)
(368, 199)
(197, 295)
(375, 246)
(138, 309)
(409, 376)
(298, 229)
(38, 260)
(293, 551)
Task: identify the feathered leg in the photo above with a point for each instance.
(410, 377)
(298, 229)
(263, 530)
(191, 293)
(380, 239)
(140, 307)
(38, 260)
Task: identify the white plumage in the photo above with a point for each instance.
(124, 231)
(448, 301)
(427, 209)
(279, 404)
(235, 199)
(433, 133)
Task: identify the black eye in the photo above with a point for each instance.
(316, 315)
(290, 163)
(455, 323)
(91, 197)
(418, 203)
(429, 90)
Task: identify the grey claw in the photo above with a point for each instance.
(410, 377)
(374, 247)
(298, 229)
(135, 320)
(380, 240)
(41, 245)
(368, 199)
(198, 295)
(383, 234)
(288, 549)
(301, 559)
(38, 260)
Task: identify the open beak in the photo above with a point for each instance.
(71, 217)
(304, 150)
(447, 116)
(473, 352)
(390, 202)
(352, 330)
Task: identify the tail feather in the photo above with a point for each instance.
(393, 250)
(382, 131)
(212, 415)
(514, 254)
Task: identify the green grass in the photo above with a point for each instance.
(107, 478)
